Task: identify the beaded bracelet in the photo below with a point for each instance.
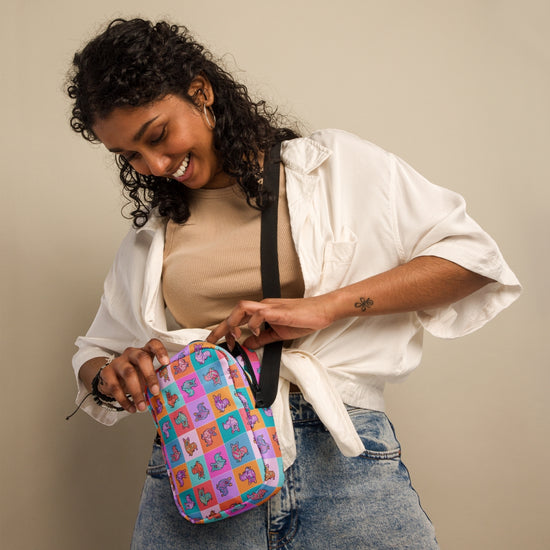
(99, 397)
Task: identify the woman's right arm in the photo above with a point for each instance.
(129, 374)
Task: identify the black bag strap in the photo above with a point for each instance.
(271, 286)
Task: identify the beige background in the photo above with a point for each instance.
(458, 89)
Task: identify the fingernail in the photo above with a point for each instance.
(142, 406)
(155, 390)
(132, 409)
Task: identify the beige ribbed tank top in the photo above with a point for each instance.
(213, 260)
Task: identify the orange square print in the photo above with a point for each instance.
(157, 407)
(248, 476)
(181, 478)
(210, 436)
(182, 367)
(221, 401)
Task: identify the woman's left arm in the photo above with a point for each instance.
(425, 282)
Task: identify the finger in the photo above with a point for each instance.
(110, 386)
(239, 316)
(222, 331)
(157, 349)
(230, 340)
(275, 315)
(241, 313)
(219, 332)
(123, 400)
(256, 321)
(252, 313)
(263, 338)
(130, 379)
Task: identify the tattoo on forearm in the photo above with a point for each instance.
(364, 304)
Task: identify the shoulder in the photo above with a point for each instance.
(135, 248)
(335, 138)
(337, 169)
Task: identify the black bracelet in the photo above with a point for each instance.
(99, 397)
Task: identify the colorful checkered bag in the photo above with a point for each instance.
(221, 452)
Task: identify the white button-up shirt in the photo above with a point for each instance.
(355, 211)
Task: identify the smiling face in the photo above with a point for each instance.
(168, 138)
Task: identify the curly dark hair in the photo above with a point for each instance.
(136, 62)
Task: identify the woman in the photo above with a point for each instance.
(370, 254)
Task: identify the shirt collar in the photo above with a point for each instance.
(303, 155)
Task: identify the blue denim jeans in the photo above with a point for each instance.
(328, 501)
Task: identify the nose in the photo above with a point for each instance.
(157, 163)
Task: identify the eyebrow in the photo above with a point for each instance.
(139, 133)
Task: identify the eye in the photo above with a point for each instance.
(130, 157)
(160, 137)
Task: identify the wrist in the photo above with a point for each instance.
(99, 397)
(92, 382)
(338, 305)
(90, 368)
(98, 381)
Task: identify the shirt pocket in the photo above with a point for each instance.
(337, 257)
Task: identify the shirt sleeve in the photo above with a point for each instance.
(432, 221)
(131, 312)
(108, 336)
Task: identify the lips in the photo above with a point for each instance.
(180, 172)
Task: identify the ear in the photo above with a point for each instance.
(200, 91)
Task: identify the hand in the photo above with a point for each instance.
(288, 319)
(131, 373)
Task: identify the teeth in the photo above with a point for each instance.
(182, 168)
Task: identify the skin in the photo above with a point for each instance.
(156, 139)
(423, 283)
